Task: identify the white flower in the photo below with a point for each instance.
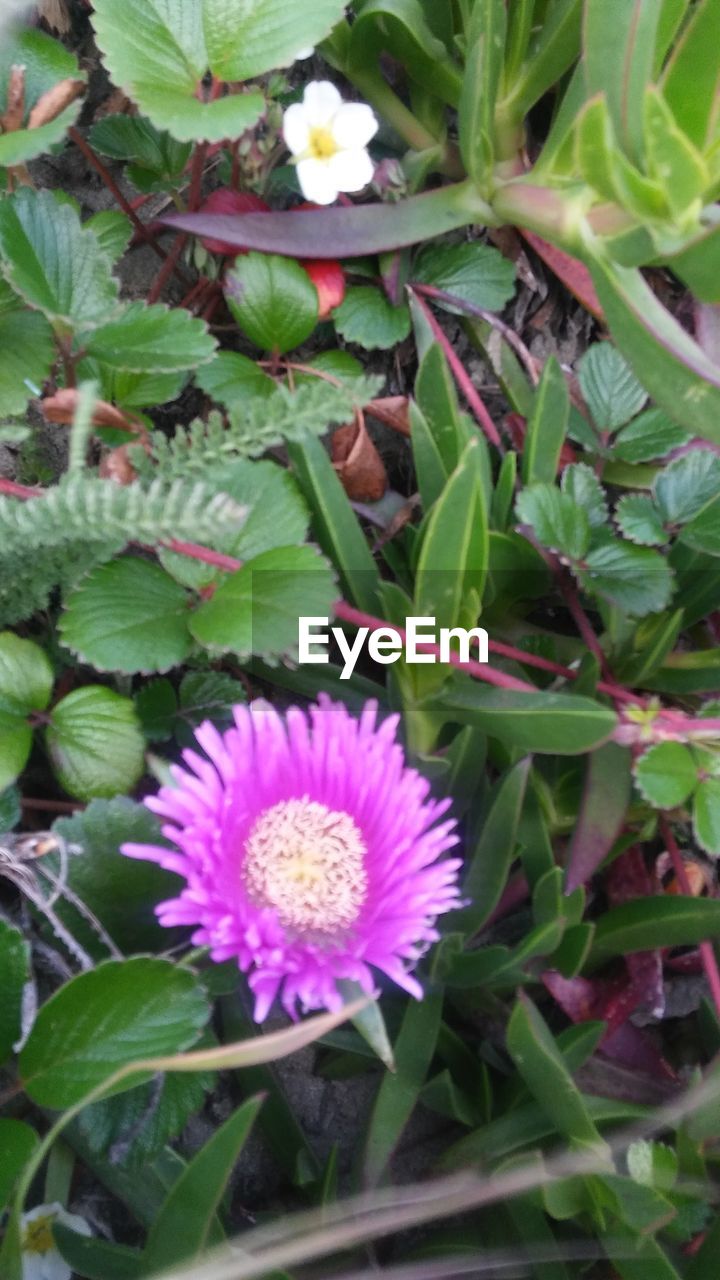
(307, 51)
(328, 138)
(41, 1260)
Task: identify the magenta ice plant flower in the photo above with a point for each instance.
(328, 140)
(310, 852)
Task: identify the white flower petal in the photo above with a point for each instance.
(351, 170)
(33, 1267)
(296, 130)
(307, 51)
(354, 125)
(73, 1221)
(320, 102)
(316, 181)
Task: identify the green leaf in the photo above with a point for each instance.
(557, 521)
(400, 28)
(28, 352)
(399, 1092)
(488, 864)
(581, 484)
(256, 610)
(46, 63)
(10, 810)
(14, 973)
(619, 53)
(112, 230)
(17, 1143)
(246, 38)
(610, 390)
(554, 46)
(156, 52)
(182, 1229)
(541, 1066)
(335, 524)
(486, 35)
(155, 160)
(369, 319)
(128, 615)
(230, 377)
(651, 435)
(95, 743)
(676, 372)
(121, 892)
(209, 695)
(547, 426)
(475, 273)
(703, 531)
(636, 579)
(666, 774)
(545, 722)
(691, 79)
(277, 513)
(606, 794)
(26, 681)
(152, 339)
(429, 468)
(686, 485)
(639, 519)
(437, 401)
(129, 1130)
(453, 556)
(273, 300)
(706, 815)
(661, 921)
(110, 1016)
(96, 1259)
(671, 158)
(54, 263)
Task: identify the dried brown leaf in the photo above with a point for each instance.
(49, 106)
(358, 464)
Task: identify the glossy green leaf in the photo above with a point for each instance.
(245, 38)
(611, 391)
(474, 273)
(673, 368)
(181, 1230)
(671, 158)
(453, 556)
(663, 921)
(26, 681)
(28, 351)
(112, 230)
(230, 377)
(54, 263)
(666, 774)
(486, 34)
(399, 1092)
(547, 426)
(651, 435)
(95, 742)
(545, 722)
(334, 523)
(152, 339)
(97, 1259)
(556, 520)
(691, 79)
(273, 300)
(638, 519)
(686, 486)
(554, 46)
(17, 1143)
(619, 52)
(540, 1064)
(112, 1015)
(157, 53)
(128, 615)
(121, 892)
(706, 815)
(367, 318)
(14, 973)
(429, 467)
(488, 863)
(256, 610)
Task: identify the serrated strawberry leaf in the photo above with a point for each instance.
(666, 774)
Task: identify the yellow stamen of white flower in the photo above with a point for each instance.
(308, 862)
(37, 1235)
(322, 144)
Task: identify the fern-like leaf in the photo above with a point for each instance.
(255, 426)
(53, 539)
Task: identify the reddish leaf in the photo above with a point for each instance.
(629, 878)
(329, 280)
(572, 273)
(340, 232)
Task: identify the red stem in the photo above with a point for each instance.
(461, 376)
(707, 952)
(167, 267)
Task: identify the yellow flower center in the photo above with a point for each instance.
(307, 861)
(322, 144)
(38, 1236)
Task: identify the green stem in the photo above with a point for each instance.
(386, 102)
(555, 216)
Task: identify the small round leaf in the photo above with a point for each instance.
(666, 775)
(95, 743)
(273, 300)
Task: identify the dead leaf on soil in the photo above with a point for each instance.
(358, 464)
